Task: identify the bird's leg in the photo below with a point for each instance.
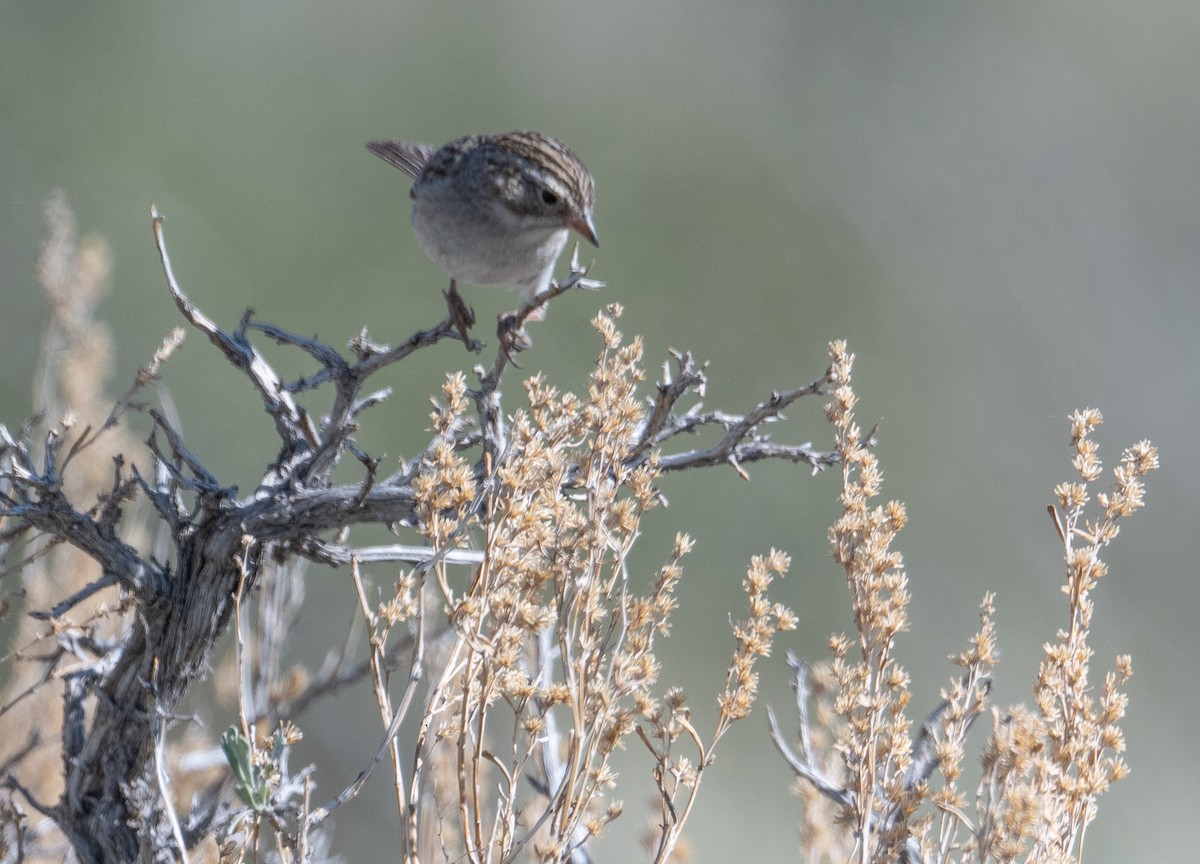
(513, 335)
(461, 315)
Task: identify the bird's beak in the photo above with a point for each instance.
(586, 228)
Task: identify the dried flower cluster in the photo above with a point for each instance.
(1044, 770)
(872, 687)
(551, 661)
(898, 794)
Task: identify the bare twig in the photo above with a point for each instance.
(804, 766)
(62, 607)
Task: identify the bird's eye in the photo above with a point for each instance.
(549, 197)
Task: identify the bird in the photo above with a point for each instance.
(496, 209)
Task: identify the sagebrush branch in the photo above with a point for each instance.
(217, 539)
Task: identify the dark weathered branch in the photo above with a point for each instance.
(687, 379)
(736, 454)
(244, 356)
(61, 608)
(51, 513)
(742, 442)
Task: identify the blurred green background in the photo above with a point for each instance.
(997, 204)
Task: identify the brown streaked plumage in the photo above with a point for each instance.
(493, 209)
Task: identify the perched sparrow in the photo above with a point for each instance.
(495, 209)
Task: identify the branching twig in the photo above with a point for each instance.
(805, 766)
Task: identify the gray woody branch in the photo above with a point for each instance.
(111, 805)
